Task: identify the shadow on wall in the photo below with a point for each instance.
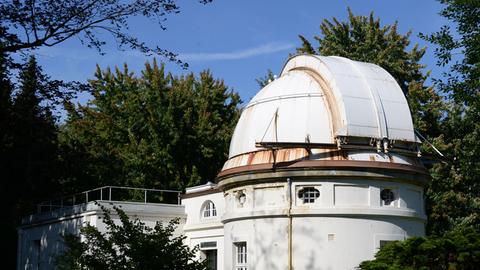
(271, 246)
(270, 242)
(41, 243)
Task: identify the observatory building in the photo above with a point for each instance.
(323, 170)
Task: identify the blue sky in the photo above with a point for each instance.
(239, 40)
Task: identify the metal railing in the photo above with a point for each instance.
(112, 194)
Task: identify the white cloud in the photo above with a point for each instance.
(240, 54)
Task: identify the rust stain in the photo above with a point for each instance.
(250, 158)
(280, 155)
(270, 156)
(283, 155)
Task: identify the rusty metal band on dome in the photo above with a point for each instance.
(382, 169)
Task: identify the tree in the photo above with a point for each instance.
(364, 39)
(7, 223)
(34, 141)
(6, 88)
(454, 192)
(263, 81)
(129, 244)
(156, 131)
(458, 250)
(28, 150)
(29, 24)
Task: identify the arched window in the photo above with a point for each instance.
(208, 209)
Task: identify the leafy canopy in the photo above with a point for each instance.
(263, 81)
(128, 244)
(156, 130)
(459, 250)
(454, 192)
(28, 144)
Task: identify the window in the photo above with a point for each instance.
(381, 240)
(208, 245)
(211, 258)
(308, 194)
(388, 196)
(37, 254)
(208, 209)
(209, 250)
(384, 243)
(241, 256)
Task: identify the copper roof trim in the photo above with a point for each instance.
(322, 164)
(283, 155)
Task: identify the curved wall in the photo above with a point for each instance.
(343, 227)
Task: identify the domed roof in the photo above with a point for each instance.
(319, 99)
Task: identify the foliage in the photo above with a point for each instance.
(460, 50)
(7, 223)
(30, 24)
(156, 130)
(129, 244)
(454, 191)
(28, 146)
(32, 161)
(457, 250)
(34, 132)
(263, 81)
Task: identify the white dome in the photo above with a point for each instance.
(318, 98)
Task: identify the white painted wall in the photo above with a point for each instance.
(341, 229)
(40, 238)
(344, 242)
(39, 244)
(198, 229)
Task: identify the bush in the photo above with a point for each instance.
(128, 245)
(457, 250)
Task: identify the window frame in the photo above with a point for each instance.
(383, 243)
(393, 202)
(309, 191)
(386, 238)
(240, 255)
(208, 210)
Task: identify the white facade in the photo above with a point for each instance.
(322, 171)
(203, 226)
(40, 238)
(343, 227)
